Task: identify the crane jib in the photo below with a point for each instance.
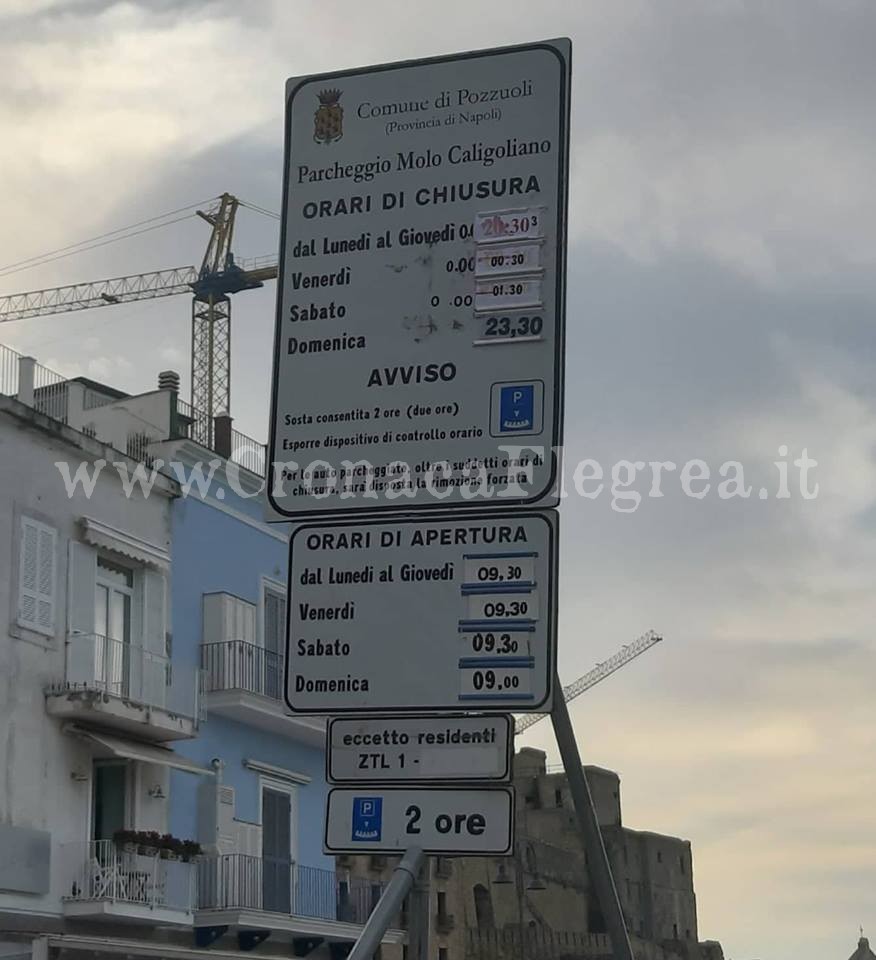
(602, 670)
(100, 293)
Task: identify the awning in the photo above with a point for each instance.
(102, 535)
(135, 750)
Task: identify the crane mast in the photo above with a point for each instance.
(628, 652)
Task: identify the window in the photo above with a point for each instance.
(659, 856)
(111, 799)
(674, 931)
(279, 843)
(443, 953)
(376, 892)
(558, 798)
(483, 908)
(114, 590)
(36, 577)
(681, 864)
(345, 910)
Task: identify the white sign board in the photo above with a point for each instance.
(422, 615)
(421, 300)
(440, 821)
(421, 749)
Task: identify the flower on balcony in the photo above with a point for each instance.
(153, 843)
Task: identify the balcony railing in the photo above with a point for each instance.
(245, 451)
(240, 665)
(237, 881)
(130, 672)
(50, 393)
(100, 870)
(248, 453)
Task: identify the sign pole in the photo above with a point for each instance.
(388, 906)
(600, 868)
(420, 914)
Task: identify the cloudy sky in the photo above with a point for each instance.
(722, 305)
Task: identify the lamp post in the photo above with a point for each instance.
(524, 863)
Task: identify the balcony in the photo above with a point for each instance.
(121, 686)
(246, 892)
(102, 881)
(244, 681)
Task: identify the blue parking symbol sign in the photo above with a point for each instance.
(516, 408)
(367, 818)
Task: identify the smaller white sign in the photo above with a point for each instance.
(480, 571)
(525, 223)
(499, 327)
(508, 293)
(421, 617)
(516, 605)
(505, 258)
(447, 822)
(419, 749)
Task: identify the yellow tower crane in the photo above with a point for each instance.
(211, 285)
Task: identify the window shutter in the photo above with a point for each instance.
(275, 621)
(81, 579)
(156, 668)
(36, 581)
(155, 615)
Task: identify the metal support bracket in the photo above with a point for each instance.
(204, 936)
(301, 946)
(250, 939)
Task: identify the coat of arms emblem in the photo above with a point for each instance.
(328, 121)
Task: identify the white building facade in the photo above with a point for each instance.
(129, 826)
(90, 695)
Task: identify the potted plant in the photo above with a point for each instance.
(169, 847)
(126, 840)
(190, 850)
(151, 843)
(148, 843)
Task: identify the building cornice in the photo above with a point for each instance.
(92, 449)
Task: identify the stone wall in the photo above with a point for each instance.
(540, 904)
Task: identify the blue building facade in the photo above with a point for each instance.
(228, 606)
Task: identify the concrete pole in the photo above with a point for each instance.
(388, 906)
(26, 369)
(597, 858)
